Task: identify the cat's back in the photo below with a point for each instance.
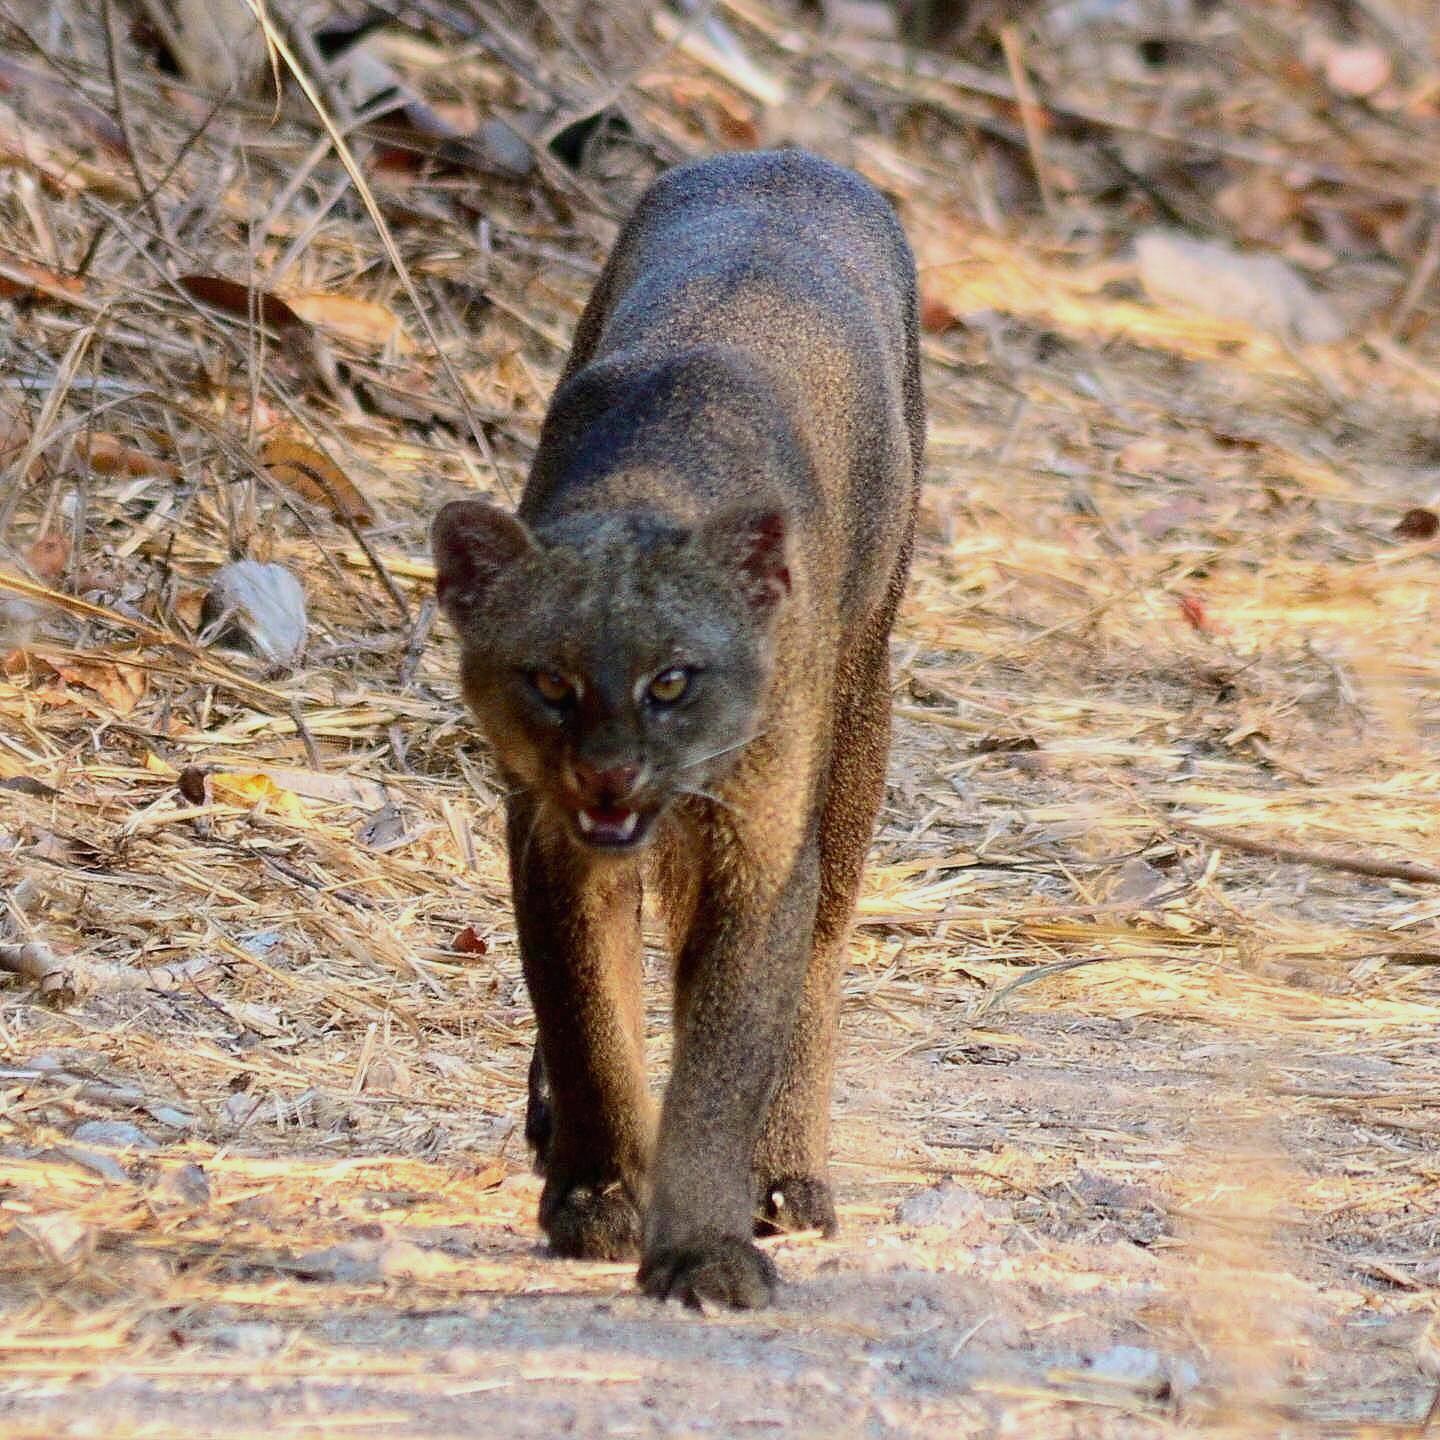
(741, 247)
(787, 192)
(753, 335)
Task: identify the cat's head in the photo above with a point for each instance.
(616, 663)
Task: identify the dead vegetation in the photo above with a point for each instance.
(1142, 1009)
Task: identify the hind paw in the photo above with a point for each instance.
(796, 1202)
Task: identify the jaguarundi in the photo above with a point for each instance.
(678, 651)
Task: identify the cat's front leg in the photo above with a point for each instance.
(739, 979)
(579, 929)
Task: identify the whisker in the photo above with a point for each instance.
(530, 834)
(700, 794)
(724, 750)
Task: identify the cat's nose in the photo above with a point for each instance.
(607, 784)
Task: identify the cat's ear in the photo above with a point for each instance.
(753, 544)
(473, 542)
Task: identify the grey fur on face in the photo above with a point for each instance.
(609, 605)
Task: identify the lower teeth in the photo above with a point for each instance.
(625, 830)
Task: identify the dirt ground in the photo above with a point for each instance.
(1136, 1129)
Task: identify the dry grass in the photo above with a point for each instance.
(1188, 1090)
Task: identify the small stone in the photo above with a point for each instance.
(187, 1186)
(1138, 882)
(947, 1206)
(253, 1338)
(464, 1360)
(404, 1260)
(240, 1107)
(119, 1133)
(103, 1165)
(357, 1264)
(170, 1117)
(390, 1074)
(150, 1275)
(505, 147)
(1150, 1372)
(59, 1235)
(257, 608)
(1129, 1362)
(452, 1067)
(18, 622)
(1357, 69)
(1260, 290)
(1103, 1192)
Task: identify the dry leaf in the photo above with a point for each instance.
(366, 322)
(47, 557)
(233, 298)
(21, 148)
(935, 315)
(404, 1260)
(109, 455)
(716, 107)
(62, 849)
(1261, 206)
(28, 785)
(303, 469)
(1259, 290)
(370, 79)
(1156, 524)
(489, 1176)
(192, 783)
(121, 687)
(1193, 609)
(15, 429)
(253, 789)
(469, 942)
(331, 789)
(1418, 524)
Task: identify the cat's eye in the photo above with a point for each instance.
(669, 685)
(553, 689)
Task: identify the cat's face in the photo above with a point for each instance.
(615, 664)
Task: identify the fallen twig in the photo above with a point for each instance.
(62, 977)
(1411, 870)
(38, 962)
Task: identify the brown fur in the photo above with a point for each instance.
(728, 470)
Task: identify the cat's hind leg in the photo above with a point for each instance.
(791, 1160)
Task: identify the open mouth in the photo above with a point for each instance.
(613, 828)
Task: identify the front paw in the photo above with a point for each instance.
(796, 1202)
(590, 1223)
(723, 1269)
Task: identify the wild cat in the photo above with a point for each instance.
(678, 651)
